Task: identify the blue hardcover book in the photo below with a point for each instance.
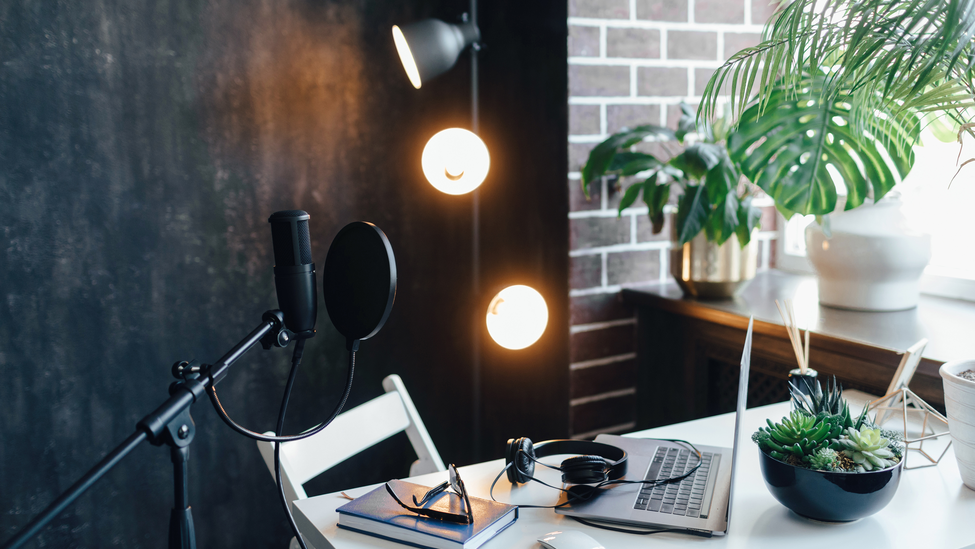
(376, 514)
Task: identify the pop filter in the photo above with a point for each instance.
(359, 281)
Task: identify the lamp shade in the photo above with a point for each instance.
(455, 161)
(430, 47)
(517, 317)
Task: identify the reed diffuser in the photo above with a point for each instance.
(803, 377)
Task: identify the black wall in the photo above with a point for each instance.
(143, 146)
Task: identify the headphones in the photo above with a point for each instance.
(598, 462)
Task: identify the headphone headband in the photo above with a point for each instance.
(597, 462)
(614, 455)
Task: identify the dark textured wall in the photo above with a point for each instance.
(143, 146)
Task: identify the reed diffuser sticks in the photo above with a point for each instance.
(795, 336)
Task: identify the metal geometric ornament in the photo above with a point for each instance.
(904, 400)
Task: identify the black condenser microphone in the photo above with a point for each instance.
(294, 272)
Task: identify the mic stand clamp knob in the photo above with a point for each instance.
(279, 335)
(186, 370)
(279, 338)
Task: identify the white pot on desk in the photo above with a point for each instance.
(960, 405)
(873, 259)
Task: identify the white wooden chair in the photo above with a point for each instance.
(350, 433)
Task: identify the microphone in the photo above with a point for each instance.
(294, 272)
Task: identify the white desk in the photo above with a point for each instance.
(932, 508)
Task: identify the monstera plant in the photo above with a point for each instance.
(838, 90)
(710, 200)
(803, 142)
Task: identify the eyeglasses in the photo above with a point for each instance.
(454, 482)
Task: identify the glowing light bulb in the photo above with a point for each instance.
(517, 317)
(455, 161)
(406, 57)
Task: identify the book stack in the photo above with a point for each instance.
(376, 514)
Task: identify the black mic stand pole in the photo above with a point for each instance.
(172, 425)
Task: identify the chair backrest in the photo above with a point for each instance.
(352, 432)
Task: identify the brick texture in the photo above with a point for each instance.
(661, 81)
(674, 113)
(769, 219)
(585, 272)
(606, 378)
(602, 9)
(583, 119)
(719, 11)
(593, 416)
(692, 45)
(577, 199)
(632, 42)
(593, 344)
(662, 10)
(578, 155)
(587, 309)
(737, 41)
(629, 116)
(701, 77)
(583, 41)
(631, 267)
(594, 80)
(592, 232)
(762, 10)
(644, 228)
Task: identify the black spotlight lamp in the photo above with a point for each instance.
(431, 47)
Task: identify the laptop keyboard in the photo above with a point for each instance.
(684, 498)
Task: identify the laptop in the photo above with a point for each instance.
(699, 504)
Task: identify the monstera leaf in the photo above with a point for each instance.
(800, 143)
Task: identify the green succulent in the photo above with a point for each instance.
(798, 435)
(813, 401)
(896, 445)
(830, 404)
(867, 448)
(824, 459)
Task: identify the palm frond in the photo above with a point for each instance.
(905, 54)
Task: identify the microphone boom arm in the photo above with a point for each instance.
(169, 424)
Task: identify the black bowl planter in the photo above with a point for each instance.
(827, 496)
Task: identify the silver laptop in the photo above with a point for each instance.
(699, 504)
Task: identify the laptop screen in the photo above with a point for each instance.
(746, 361)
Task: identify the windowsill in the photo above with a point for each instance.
(946, 323)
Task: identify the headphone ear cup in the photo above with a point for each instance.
(520, 454)
(584, 470)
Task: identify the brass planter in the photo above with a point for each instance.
(704, 269)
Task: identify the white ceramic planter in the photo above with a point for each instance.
(960, 405)
(872, 261)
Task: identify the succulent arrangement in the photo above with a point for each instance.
(821, 434)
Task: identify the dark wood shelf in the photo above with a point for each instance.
(704, 337)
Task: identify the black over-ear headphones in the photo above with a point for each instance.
(598, 462)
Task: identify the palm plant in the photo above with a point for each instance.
(837, 80)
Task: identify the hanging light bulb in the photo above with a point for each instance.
(517, 317)
(455, 161)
